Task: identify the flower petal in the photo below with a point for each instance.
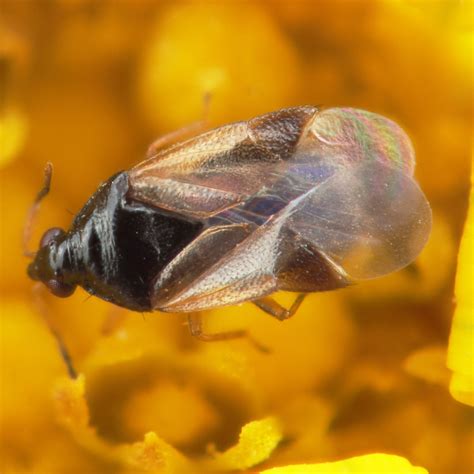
(361, 464)
(461, 346)
(152, 454)
(257, 441)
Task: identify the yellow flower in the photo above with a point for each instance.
(12, 135)
(360, 464)
(356, 381)
(461, 343)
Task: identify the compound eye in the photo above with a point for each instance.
(50, 235)
(60, 289)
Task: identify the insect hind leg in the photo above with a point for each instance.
(195, 328)
(271, 307)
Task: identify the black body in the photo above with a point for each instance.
(116, 247)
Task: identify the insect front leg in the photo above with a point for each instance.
(187, 131)
(195, 328)
(40, 303)
(271, 307)
(175, 136)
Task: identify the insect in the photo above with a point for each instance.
(301, 199)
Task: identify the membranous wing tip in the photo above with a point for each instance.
(367, 213)
(370, 220)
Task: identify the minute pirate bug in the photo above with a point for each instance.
(301, 199)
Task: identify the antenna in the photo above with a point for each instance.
(33, 211)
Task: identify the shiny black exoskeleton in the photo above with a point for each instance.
(115, 248)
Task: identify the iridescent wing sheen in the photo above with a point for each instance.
(338, 182)
(367, 213)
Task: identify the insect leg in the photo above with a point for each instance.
(195, 327)
(271, 307)
(64, 354)
(33, 211)
(176, 135)
(41, 306)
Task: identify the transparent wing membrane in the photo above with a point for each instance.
(370, 219)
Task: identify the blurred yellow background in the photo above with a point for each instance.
(88, 84)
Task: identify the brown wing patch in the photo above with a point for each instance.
(189, 199)
(247, 289)
(244, 273)
(278, 132)
(195, 259)
(302, 268)
(186, 157)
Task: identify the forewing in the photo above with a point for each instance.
(187, 268)
(245, 272)
(222, 168)
(340, 178)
